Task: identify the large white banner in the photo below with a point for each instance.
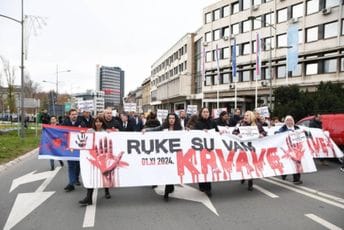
(121, 159)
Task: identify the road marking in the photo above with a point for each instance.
(338, 199)
(25, 203)
(186, 192)
(323, 222)
(90, 213)
(304, 193)
(266, 192)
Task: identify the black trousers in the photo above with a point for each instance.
(296, 177)
(206, 186)
(169, 188)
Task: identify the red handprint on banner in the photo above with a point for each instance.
(295, 152)
(106, 161)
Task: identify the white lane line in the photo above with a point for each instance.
(305, 193)
(323, 222)
(90, 213)
(266, 192)
(335, 198)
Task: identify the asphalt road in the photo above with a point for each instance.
(38, 201)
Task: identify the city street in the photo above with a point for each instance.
(36, 200)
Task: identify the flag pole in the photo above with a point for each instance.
(218, 77)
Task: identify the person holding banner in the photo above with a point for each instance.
(73, 166)
(235, 119)
(97, 126)
(53, 122)
(205, 123)
(223, 120)
(183, 119)
(289, 125)
(171, 123)
(250, 120)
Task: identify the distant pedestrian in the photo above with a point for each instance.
(317, 123)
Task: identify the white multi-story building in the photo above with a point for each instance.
(320, 52)
(171, 76)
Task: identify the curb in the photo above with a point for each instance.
(17, 160)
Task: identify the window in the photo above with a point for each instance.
(245, 48)
(254, 47)
(225, 53)
(342, 27)
(235, 28)
(216, 34)
(268, 43)
(217, 14)
(257, 2)
(331, 3)
(208, 80)
(297, 10)
(235, 7)
(281, 71)
(208, 17)
(297, 71)
(330, 66)
(246, 26)
(208, 37)
(225, 32)
(246, 75)
(225, 11)
(208, 56)
(312, 6)
(225, 78)
(311, 68)
(257, 23)
(281, 40)
(331, 29)
(269, 19)
(282, 15)
(342, 64)
(312, 34)
(246, 4)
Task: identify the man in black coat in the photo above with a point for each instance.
(110, 122)
(73, 166)
(126, 124)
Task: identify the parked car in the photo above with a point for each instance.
(333, 123)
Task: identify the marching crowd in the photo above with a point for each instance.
(105, 121)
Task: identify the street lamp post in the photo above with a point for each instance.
(21, 22)
(56, 83)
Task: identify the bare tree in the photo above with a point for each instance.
(9, 73)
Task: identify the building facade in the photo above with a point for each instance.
(172, 76)
(96, 101)
(320, 47)
(110, 80)
(198, 69)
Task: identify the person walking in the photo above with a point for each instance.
(53, 122)
(250, 120)
(289, 126)
(97, 126)
(171, 123)
(73, 166)
(205, 123)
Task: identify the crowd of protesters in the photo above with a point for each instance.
(132, 122)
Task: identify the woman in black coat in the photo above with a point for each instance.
(205, 123)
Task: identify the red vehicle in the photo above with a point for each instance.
(333, 123)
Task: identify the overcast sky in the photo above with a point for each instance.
(79, 34)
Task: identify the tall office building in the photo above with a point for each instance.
(110, 80)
